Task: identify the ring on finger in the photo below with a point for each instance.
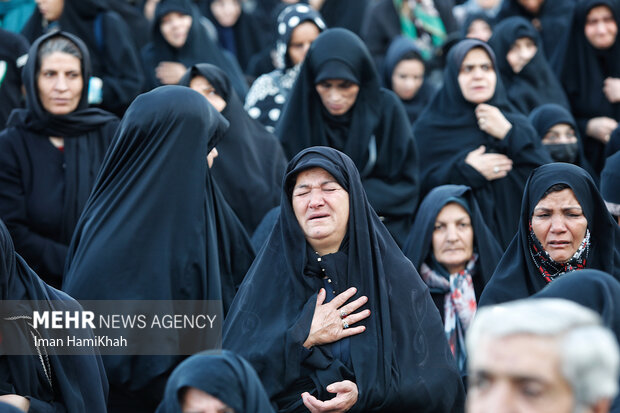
(496, 169)
(345, 325)
(343, 314)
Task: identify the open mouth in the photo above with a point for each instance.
(318, 216)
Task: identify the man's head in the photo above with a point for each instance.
(547, 355)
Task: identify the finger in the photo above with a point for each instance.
(352, 331)
(354, 305)
(340, 386)
(310, 402)
(343, 297)
(495, 158)
(355, 317)
(320, 297)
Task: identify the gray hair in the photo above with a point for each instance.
(589, 354)
(57, 44)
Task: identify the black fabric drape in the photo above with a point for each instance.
(43, 190)
(448, 130)
(610, 183)
(114, 56)
(401, 362)
(584, 74)
(12, 47)
(395, 53)
(78, 382)
(516, 275)
(375, 132)
(347, 14)
(251, 162)
(596, 290)
(198, 48)
(223, 375)
(420, 240)
(535, 84)
(148, 230)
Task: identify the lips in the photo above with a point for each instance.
(558, 244)
(317, 216)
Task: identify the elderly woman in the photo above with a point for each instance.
(338, 102)
(564, 227)
(455, 253)
(220, 380)
(356, 321)
(50, 153)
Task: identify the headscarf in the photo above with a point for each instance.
(516, 275)
(401, 362)
(536, 83)
(610, 184)
(148, 230)
(448, 130)
(596, 290)
(223, 375)
(251, 163)
(471, 18)
(375, 132)
(399, 47)
(78, 382)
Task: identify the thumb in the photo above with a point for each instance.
(481, 149)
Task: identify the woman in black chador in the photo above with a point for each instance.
(338, 101)
(250, 163)
(469, 135)
(148, 231)
(51, 152)
(332, 310)
(564, 227)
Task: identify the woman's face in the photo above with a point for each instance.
(561, 133)
(201, 85)
(477, 78)
(337, 95)
(321, 207)
(50, 9)
(453, 238)
(479, 29)
(175, 27)
(532, 6)
(60, 83)
(559, 224)
(197, 401)
(521, 52)
(407, 78)
(301, 39)
(601, 28)
(226, 12)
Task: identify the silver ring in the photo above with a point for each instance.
(496, 169)
(345, 325)
(343, 314)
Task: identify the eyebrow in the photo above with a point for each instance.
(563, 209)
(321, 184)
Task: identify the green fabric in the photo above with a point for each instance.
(428, 22)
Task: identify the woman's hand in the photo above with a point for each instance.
(346, 396)
(611, 89)
(21, 402)
(170, 73)
(490, 165)
(601, 128)
(492, 121)
(329, 325)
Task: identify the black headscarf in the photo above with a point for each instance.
(401, 362)
(596, 290)
(375, 132)
(198, 47)
(347, 14)
(555, 17)
(12, 47)
(148, 230)
(585, 70)
(399, 47)
(78, 383)
(471, 18)
(516, 275)
(448, 130)
(420, 240)
(223, 375)
(536, 83)
(610, 184)
(251, 163)
(547, 116)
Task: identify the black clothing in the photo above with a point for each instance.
(148, 230)
(250, 163)
(610, 184)
(221, 374)
(516, 275)
(114, 56)
(447, 131)
(401, 362)
(585, 71)
(375, 132)
(347, 14)
(12, 47)
(43, 190)
(78, 382)
(535, 84)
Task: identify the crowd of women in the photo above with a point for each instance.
(351, 179)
